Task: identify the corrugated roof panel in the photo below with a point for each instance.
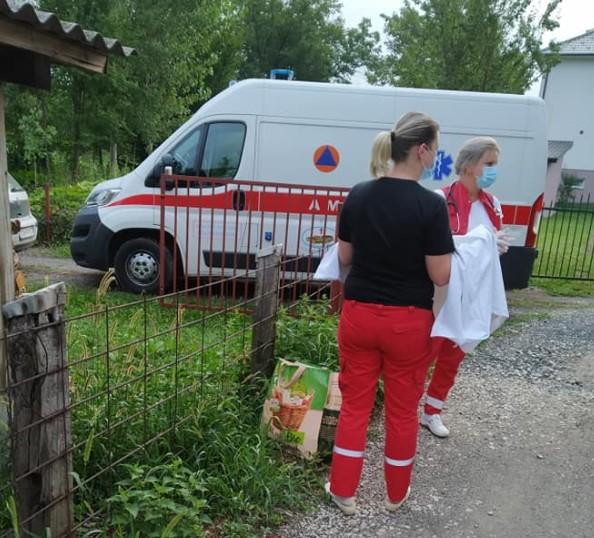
(581, 44)
(558, 148)
(49, 22)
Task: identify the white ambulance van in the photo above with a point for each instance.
(310, 134)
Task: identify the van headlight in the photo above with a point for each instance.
(102, 197)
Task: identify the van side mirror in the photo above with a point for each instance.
(154, 180)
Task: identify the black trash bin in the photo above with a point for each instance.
(517, 264)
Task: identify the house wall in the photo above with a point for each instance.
(552, 182)
(568, 93)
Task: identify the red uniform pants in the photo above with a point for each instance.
(448, 360)
(375, 339)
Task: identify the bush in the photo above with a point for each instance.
(65, 201)
(309, 335)
(565, 194)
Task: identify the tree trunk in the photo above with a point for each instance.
(78, 105)
(113, 159)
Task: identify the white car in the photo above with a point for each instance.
(20, 210)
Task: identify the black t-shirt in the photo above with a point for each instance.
(392, 224)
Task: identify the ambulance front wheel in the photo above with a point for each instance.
(137, 266)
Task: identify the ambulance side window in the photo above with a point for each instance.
(185, 154)
(222, 150)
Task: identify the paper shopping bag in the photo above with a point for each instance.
(295, 403)
(330, 416)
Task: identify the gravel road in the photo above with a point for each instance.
(39, 268)
(520, 458)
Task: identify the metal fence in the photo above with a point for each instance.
(566, 241)
(211, 230)
(91, 393)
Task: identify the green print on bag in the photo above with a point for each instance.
(295, 403)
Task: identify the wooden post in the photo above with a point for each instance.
(336, 297)
(40, 417)
(264, 331)
(6, 261)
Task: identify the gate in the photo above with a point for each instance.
(566, 241)
(212, 229)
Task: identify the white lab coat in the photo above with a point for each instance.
(473, 305)
(330, 267)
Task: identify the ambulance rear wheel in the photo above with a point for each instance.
(137, 266)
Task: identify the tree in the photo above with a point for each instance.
(476, 45)
(182, 47)
(186, 52)
(308, 36)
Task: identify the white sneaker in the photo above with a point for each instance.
(434, 424)
(392, 507)
(346, 504)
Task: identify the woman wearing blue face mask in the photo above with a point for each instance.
(469, 205)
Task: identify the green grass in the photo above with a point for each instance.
(166, 432)
(566, 244)
(61, 250)
(564, 288)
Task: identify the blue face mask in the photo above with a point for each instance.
(427, 173)
(488, 177)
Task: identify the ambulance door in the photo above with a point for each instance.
(174, 209)
(205, 214)
(221, 222)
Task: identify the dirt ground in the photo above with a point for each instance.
(40, 269)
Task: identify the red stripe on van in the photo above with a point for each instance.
(214, 201)
(516, 214)
(271, 202)
(281, 202)
(523, 215)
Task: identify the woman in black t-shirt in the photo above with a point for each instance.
(396, 236)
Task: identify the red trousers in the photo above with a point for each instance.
(375, 340)
(447, 362)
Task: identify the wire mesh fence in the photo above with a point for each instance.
(124, 382)
(566, 241)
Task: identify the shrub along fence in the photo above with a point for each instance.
(55, 208)
(138, 420)
(566, 241)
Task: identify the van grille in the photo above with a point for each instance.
(19, 209)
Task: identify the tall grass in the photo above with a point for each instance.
(166, 433)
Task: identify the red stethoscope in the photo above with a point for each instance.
(451, 201)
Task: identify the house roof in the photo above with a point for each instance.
(71, 31)
(558, 148)
(580, 45)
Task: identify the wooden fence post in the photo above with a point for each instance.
(264, 331)
(6, 259)
(40, 417)
(336, 297)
